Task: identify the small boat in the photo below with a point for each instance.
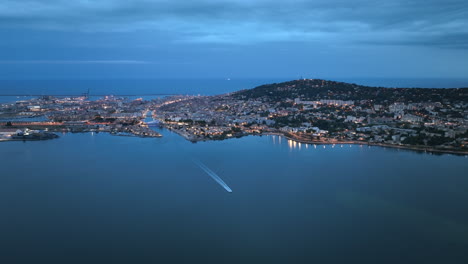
(154, 123)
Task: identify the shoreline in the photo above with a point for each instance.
(192, 139)
(384, 145)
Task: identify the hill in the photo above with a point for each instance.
(316, 89)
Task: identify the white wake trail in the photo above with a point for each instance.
(213, 175)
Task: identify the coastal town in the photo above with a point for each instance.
(47, 114)
(308, 111)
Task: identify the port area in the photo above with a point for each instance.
(11, 131)
(15, 134)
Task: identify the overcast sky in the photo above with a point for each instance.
(233, 38)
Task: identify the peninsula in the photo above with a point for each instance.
(327, 112)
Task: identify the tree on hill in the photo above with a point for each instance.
(323, 89)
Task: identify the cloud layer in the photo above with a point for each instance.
(402, 22)
(233, 38)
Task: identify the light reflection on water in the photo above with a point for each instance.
(143, 200)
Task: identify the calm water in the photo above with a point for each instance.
(97, 198)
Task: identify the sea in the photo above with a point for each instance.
(100, 198)
(14, 90)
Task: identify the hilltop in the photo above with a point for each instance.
(317, 89)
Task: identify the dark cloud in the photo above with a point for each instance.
(231, 21)
(446, 41)
(228, 38)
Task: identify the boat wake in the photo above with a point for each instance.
(213, 175)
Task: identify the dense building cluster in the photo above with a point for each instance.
(115, 115)
(327, 112)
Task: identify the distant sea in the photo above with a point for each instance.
(12, 90)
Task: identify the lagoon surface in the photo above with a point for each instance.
(98, 198)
